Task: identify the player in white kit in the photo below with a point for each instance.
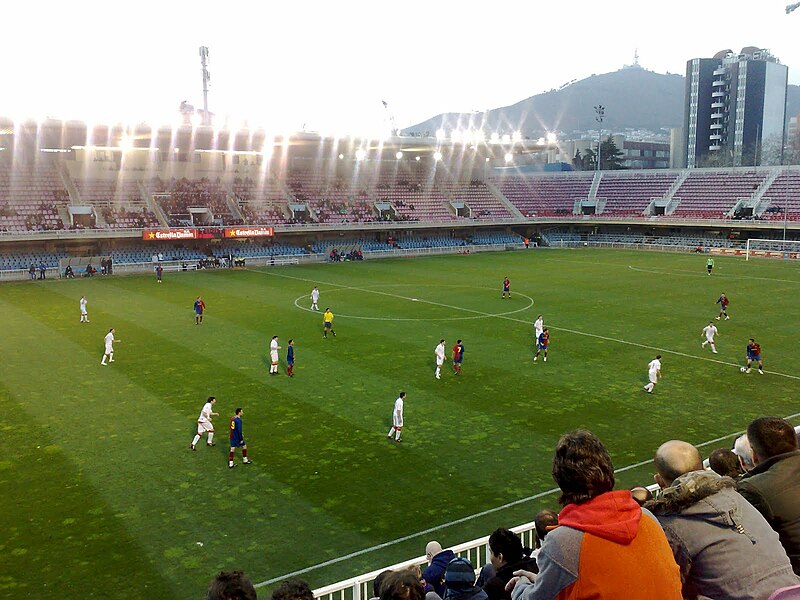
(538, 326)
(314, 298)
(204, 424)
(710, 331)
(109, 351)
(653, 373)
(84, 314)
(273, 355)
(439, 351)
(397, 419)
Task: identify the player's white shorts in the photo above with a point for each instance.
(653, 376)
(439, 362)
(273, 356)
(83, 311)
(109, 348)
(709, 338)
(203, 426)
(397, 422)
(539, 332)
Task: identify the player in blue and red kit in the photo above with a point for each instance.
(458, 357)
(506, 287)
(754, 354)
(290, 359)
(723, 306)
(199, 307)
(542, 344)
(237, 439)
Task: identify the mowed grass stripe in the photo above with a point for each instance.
(54, 527)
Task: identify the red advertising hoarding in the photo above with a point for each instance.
(249, 232)
(158, 235)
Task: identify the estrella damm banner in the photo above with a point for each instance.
(249, 232)
(183, 233)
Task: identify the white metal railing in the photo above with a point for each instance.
(476, 551)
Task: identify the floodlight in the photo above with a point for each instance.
(341, 156)
(517, 136)
(437, 155)
(417, 159)
(506, 138)
(487, 159)
(509, 157)
(495, 137)
(440, 134)
(399, 155)
(361, 154)
(552, 138)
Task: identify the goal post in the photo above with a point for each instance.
(785, 249)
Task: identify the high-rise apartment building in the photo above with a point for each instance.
(735, 103)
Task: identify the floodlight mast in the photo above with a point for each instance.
(206, 79)
(792, 7)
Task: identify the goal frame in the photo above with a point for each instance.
(782, 252)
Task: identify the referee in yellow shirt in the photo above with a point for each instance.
(327, 323)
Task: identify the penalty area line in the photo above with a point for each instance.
(461, 520)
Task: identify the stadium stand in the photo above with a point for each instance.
(478, 197)
(547, 195)
(713, 195)
(628, 195)
(783, 198)
(29, 196)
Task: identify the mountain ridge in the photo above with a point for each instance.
(633, 97)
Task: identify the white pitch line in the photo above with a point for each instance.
(572, 331)
(477, 515)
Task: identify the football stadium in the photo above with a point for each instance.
(288, 363)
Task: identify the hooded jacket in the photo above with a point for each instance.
(723, 546)
(773, 487)
(608, 547)
(434, 572)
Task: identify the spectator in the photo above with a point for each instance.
(773, 486)
(231, 585)
(641, 495)
(725, 463)
(69, 273)
(606, 545)
(402, 585)
(723, 546)
(32, 271)
(544, 521)
(438, 560)
(742, 449)
(377, 583)
(506, 555)
(293, 589)
(460, 581)
(42, 270)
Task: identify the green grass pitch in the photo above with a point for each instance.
(102, 497)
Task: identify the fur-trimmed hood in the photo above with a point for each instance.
(689, 489)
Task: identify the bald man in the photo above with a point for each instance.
(723, 546)
(437, 565)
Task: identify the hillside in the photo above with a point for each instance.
(634, 98)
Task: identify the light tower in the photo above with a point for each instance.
(600, 110)
(206, 79)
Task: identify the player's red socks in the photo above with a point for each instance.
(230, 456)
(244, 452)
(289, 370)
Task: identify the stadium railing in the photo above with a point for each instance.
(476, 551)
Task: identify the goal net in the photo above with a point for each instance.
(785, 249)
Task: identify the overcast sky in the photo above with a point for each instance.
(329, 65)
